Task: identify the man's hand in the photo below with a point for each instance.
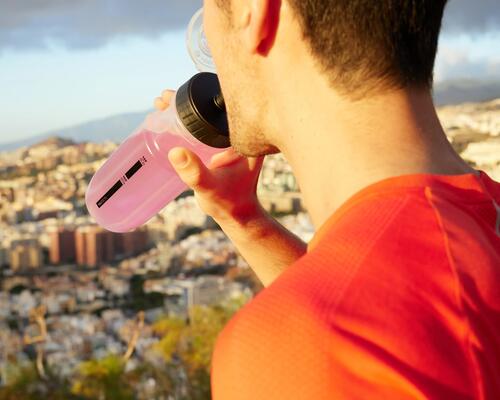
(227, 189)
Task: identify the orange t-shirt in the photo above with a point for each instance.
(398, 297)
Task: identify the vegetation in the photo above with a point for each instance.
(177, 366)
(25, 384)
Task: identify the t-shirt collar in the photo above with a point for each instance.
(478, 181)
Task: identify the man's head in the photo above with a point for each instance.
(360, 47)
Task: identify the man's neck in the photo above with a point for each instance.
(337, 147)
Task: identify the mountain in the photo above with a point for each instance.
(115, 128)
(118, 127)
(465, 91)
(54, 142)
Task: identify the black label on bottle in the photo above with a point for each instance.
(123, 180)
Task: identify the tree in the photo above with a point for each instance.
(103, 379)
(181, 369)
(24, 383)
(188, 345)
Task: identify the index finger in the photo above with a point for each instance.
(166, 95)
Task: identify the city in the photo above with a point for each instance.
(79, 290)
(73, 292)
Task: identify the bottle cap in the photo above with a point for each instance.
(201, 109)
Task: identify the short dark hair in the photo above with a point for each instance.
(365, 45)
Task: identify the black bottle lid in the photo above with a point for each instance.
(201, 109)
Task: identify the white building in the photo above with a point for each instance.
(204, 290)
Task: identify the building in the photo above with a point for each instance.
(25, 254)
(285, 203)
(184, 212)
(131, 243)
(51, 207)
(7, 194)
(93, 246)
(62, 246)
(18, 213)
(4, 256)
(204, 290)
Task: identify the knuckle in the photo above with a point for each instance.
(192, 178)
(196, 180)
(167, 94)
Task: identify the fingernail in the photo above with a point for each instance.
(179, 158)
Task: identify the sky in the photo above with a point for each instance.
(67, 62)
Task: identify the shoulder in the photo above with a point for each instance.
(360, 315)
(384, 235)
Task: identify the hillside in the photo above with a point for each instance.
(118, 127)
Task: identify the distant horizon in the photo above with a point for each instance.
(53, 132)
(64, 64)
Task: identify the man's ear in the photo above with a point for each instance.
(263, 21)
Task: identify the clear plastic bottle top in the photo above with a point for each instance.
(197, 44)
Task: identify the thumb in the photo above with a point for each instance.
(190, 168)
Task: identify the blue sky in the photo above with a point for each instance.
(58, 87)
(63, 63)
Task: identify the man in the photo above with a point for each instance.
(397, 296)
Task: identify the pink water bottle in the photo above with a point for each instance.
(138, 180)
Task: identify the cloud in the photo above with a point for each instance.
(92, 23)
(469, 16)
(88, 23)
(457, 63)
